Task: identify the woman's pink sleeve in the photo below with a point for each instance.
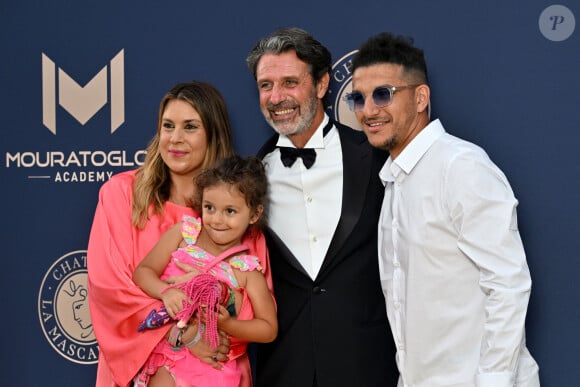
(117, 305)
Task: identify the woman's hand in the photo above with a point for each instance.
(204, 352)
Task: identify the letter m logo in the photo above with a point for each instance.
(83, 102)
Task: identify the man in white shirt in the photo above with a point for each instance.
(321, 234)
(452, 266)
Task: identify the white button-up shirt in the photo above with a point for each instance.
(452, 265)
(305, 204)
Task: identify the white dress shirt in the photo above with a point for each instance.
(452, 265)
(305, 204)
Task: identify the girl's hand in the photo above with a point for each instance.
(223, 316)
(173, 300)
(190, 272)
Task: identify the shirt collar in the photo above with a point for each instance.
(412, 153)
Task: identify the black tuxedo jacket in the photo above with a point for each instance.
(334, 329)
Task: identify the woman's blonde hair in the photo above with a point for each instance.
(153, 180)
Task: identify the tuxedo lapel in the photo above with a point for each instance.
(279, 250)
(268, 146)
(357, 159)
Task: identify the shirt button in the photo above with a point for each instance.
(397, 305)
(318, 290)
(314, 239)
(396, 264)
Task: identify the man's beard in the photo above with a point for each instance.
(305, 117)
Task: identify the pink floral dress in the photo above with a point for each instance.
(187, 370)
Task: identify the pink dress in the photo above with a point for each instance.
(187, 370)
(117, 305)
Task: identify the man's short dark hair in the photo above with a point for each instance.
(394, 49)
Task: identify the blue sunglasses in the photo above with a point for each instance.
(382, 96)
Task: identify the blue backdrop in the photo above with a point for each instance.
(81, 83)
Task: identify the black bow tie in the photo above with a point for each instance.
(289, 155)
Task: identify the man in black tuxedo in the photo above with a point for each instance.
(322, 228)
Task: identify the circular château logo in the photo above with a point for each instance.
(63, 309)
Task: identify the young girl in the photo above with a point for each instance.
(231, 197)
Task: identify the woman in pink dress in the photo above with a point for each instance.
(231, 198)
(134, 209)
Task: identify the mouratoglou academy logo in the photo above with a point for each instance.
(83, 102)
(340, 85)
(66, 165)
(63, 309)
